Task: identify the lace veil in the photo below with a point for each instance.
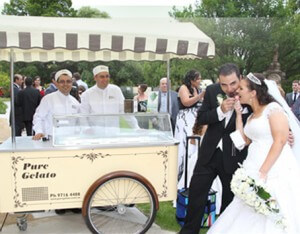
(293, 121)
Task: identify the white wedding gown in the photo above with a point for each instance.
(283, 183)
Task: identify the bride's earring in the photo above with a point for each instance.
(250, 100)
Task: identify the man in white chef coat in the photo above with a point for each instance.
(104, 98)
(58, 102)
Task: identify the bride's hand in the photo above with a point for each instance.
(263, 176)
(237, 106)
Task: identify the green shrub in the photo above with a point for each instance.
(3, 107)
(5, 83)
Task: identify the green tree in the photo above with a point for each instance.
(238, 8)
(186, 12)
(246, 32)
(39, 8)
(153, 72)
(89, 12)
(15, 7)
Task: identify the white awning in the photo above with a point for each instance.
(80, 39)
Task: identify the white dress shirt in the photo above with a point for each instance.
(53, 104)
(221, 116)
(164, 102)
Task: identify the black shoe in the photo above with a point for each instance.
(76, 210)
(60, 212)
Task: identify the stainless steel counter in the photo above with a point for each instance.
(25, 143)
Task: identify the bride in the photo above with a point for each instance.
(270, 158)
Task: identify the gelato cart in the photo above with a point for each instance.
(108, 166)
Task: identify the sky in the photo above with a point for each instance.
(130, 8)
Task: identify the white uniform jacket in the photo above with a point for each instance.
(55, 103)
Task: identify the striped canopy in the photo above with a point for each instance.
(79, 39)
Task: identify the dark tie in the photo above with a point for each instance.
(295, 95)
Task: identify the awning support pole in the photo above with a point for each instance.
(169, 86)
(12, 101)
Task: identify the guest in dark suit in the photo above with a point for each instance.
(52, 87)
(28, 99)
(163, 101)
(296, 105)
(296, 108)
(217, 156)
(18, 81)
(292, 97)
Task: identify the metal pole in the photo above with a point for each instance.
(169, 86)
(12, 100)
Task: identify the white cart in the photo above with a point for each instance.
(113, 170)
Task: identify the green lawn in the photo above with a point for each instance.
(165, 218)
(5, 99)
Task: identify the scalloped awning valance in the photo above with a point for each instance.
(80, 39)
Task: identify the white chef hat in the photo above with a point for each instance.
(62, 72)
(100, 68)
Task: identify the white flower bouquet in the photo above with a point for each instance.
(220, 98)
(254, 193)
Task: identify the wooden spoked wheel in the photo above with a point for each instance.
(121, 202)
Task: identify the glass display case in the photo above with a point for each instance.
(118, 130)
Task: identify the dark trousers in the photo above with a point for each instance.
(18, 127)
(18, 124)
(200, 185)
(28, 126)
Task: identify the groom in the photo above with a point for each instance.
(217, 155)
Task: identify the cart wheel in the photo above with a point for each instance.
(22, 222)
(121, 202)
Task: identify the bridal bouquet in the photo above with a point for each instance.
(254, 194)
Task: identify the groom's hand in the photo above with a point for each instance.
(237, 106)
(228, 104)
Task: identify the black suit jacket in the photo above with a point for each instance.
(207, 115)
(290, 99)
(18, 110)
(28, 99)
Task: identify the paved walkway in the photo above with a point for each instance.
(49, 222)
